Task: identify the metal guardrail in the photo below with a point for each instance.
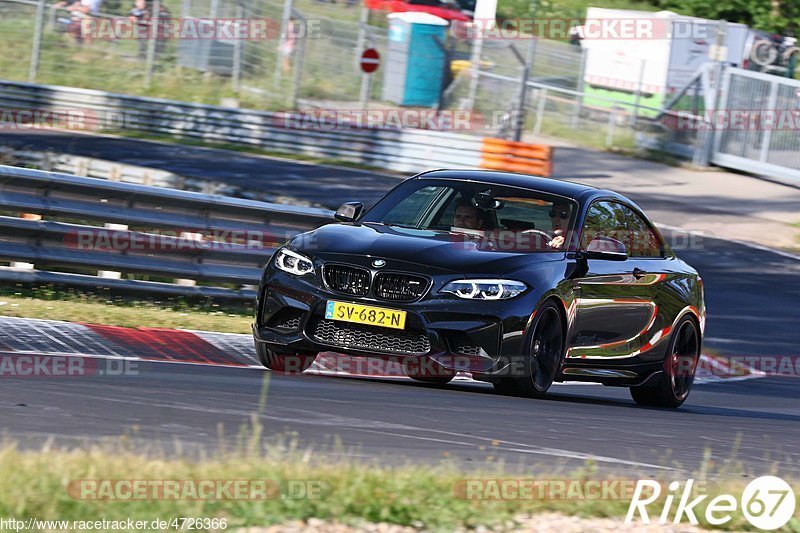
(98, 168)
(403, 150)
(192, 243)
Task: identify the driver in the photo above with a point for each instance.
(468, 216)
(559, 216)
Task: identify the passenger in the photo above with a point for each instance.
(559, 217)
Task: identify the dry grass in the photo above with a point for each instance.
(125, 313)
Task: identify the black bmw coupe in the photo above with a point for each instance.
(520, 281)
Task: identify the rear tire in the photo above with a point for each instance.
(680, 364)
(284, 363)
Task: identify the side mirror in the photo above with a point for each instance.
(607, 249)
(349, 211)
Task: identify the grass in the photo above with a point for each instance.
(73, 306)
(36, 483)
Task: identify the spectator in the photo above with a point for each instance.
(141, 16)
(79, 10)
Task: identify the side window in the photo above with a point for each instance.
(604, 219)
(642, 240)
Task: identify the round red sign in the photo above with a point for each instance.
(370, 60)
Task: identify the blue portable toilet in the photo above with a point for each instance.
(415, 61)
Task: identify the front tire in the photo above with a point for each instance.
(284, 363)
(680, 364)
(543, 360)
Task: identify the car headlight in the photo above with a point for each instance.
(293, 263)
(484, 289)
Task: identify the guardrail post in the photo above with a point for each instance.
(82, 167)
(197, 238)
(112, 274)
(36, 51)
(21, 265)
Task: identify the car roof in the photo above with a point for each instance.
(547, 185)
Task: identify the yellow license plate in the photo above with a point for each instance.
(365, 314)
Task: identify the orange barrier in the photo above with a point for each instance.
(512, 156)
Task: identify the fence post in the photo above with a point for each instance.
(527, 62)
(36, 52)
(581, 86)
(151, 44)
(638, 94)
(236, 77)
(475, 64)
(297, 78)
(366, 79)
(612, 124)
(362, 35)
(766, 138)
(540, 109)
(285, 19)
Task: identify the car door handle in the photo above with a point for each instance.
(638, 273)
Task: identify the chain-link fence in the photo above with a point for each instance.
(164, 49)
(306, 56)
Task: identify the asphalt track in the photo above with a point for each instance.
(751, 295)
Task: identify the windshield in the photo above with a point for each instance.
(531, 220)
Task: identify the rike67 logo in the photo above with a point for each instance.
(768, 503)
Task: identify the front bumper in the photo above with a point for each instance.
(458, 334)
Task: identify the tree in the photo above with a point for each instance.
(777, 16)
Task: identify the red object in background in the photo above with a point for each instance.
(400, 6)
(370, 60)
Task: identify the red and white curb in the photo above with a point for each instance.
(25, 336)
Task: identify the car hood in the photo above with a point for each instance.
(435, 250)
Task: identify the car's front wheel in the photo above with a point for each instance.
(284, 363)
(675, 382)
(540, 366)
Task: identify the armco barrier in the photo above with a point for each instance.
(38, 248)
(512, 156)
(402, 150)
